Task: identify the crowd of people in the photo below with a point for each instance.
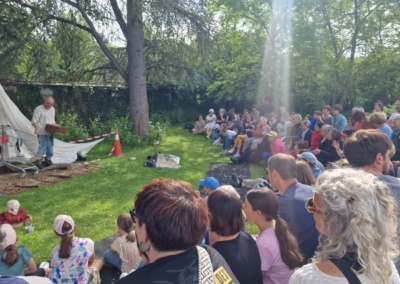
(326, 211)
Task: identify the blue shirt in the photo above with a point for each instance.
(386, 129)
(340, 122)
(301, 223)
(18, 268)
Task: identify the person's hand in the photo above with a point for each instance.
(37, 130)
(336, 144)
(317, 151)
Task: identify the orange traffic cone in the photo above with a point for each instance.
(116, 150)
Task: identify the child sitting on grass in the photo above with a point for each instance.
(15, 260)
(124, 252)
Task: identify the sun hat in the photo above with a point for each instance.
(211, 182)
(59, 222)
(309, 157)
(10, 236)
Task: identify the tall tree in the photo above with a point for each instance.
(185, 19)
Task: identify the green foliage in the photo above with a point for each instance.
(76, 130)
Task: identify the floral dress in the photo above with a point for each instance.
(72, 269)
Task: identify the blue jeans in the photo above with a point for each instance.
(112, 258)
(46, 145)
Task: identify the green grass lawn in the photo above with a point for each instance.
(96, 199)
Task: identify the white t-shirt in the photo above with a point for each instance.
(230, 134)
(44, 116)
(310, 274)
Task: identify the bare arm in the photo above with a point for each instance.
(31, 267)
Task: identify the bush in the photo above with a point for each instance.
(76, 130)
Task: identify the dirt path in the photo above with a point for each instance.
(12, 183)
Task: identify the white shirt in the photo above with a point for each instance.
(310, 274)
(44, 116)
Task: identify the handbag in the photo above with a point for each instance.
(206, 272)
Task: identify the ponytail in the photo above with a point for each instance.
(66, 246)
(125, 223)
(289, 248)
(10, 256)
(130, 236)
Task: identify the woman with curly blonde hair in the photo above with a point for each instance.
(357, 218)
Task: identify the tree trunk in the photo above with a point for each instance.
(138, 102)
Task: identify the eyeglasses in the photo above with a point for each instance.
(133, 215)
(310, 207)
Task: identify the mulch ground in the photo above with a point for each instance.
(223, 173)
(11, 182)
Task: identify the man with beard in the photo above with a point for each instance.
(371, 150)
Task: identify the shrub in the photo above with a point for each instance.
(76, 130)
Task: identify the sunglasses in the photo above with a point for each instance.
(310, 207)
(132, 212)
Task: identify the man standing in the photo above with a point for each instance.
(42, 115)
(339, 121)
(370, 150)
(282, 173)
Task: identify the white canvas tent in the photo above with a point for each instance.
(19, 130)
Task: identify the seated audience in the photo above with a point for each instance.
(210, 123)
(124, 251)
(226, 137)
(304, 174)
(273, 122)
(311, 161)
(316, 136)
(315, 119)
(282, 174)
(238, 248)
(221, 117)
(170, 222)
(396, 137)
(255, 113)
(360, 120)
(326, 152)
(253, 142)
(276, 145)
(306, 132)
(70, 259)
(278, 248)
(248, 131)
(199, 125)
(283, 127)
(378, 107)
(326, 117)
(378, 120)
(15, 260)
(295, 131)
(357, 218)
(339, 121)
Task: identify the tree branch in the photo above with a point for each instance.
(119, 17)
(101, 43)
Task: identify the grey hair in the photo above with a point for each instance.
(228, 188)
(306, 122)
(263, 119)
(297, 116)
(326, 127)
(222, 109)
(358, 213)
(46, 92)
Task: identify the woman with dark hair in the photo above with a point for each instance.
(170, 222)
(199, 125)
(70, 260)
(278, 248)
(238, 248)
(360, 121)
(331, 144)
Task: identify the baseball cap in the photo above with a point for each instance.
(10, 236)
(59, 222)
(211, 182)
(309, 157)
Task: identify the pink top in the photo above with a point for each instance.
(277, 147)
(273, 268)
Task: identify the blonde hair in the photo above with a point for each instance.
(358, 213)
(378, 118)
